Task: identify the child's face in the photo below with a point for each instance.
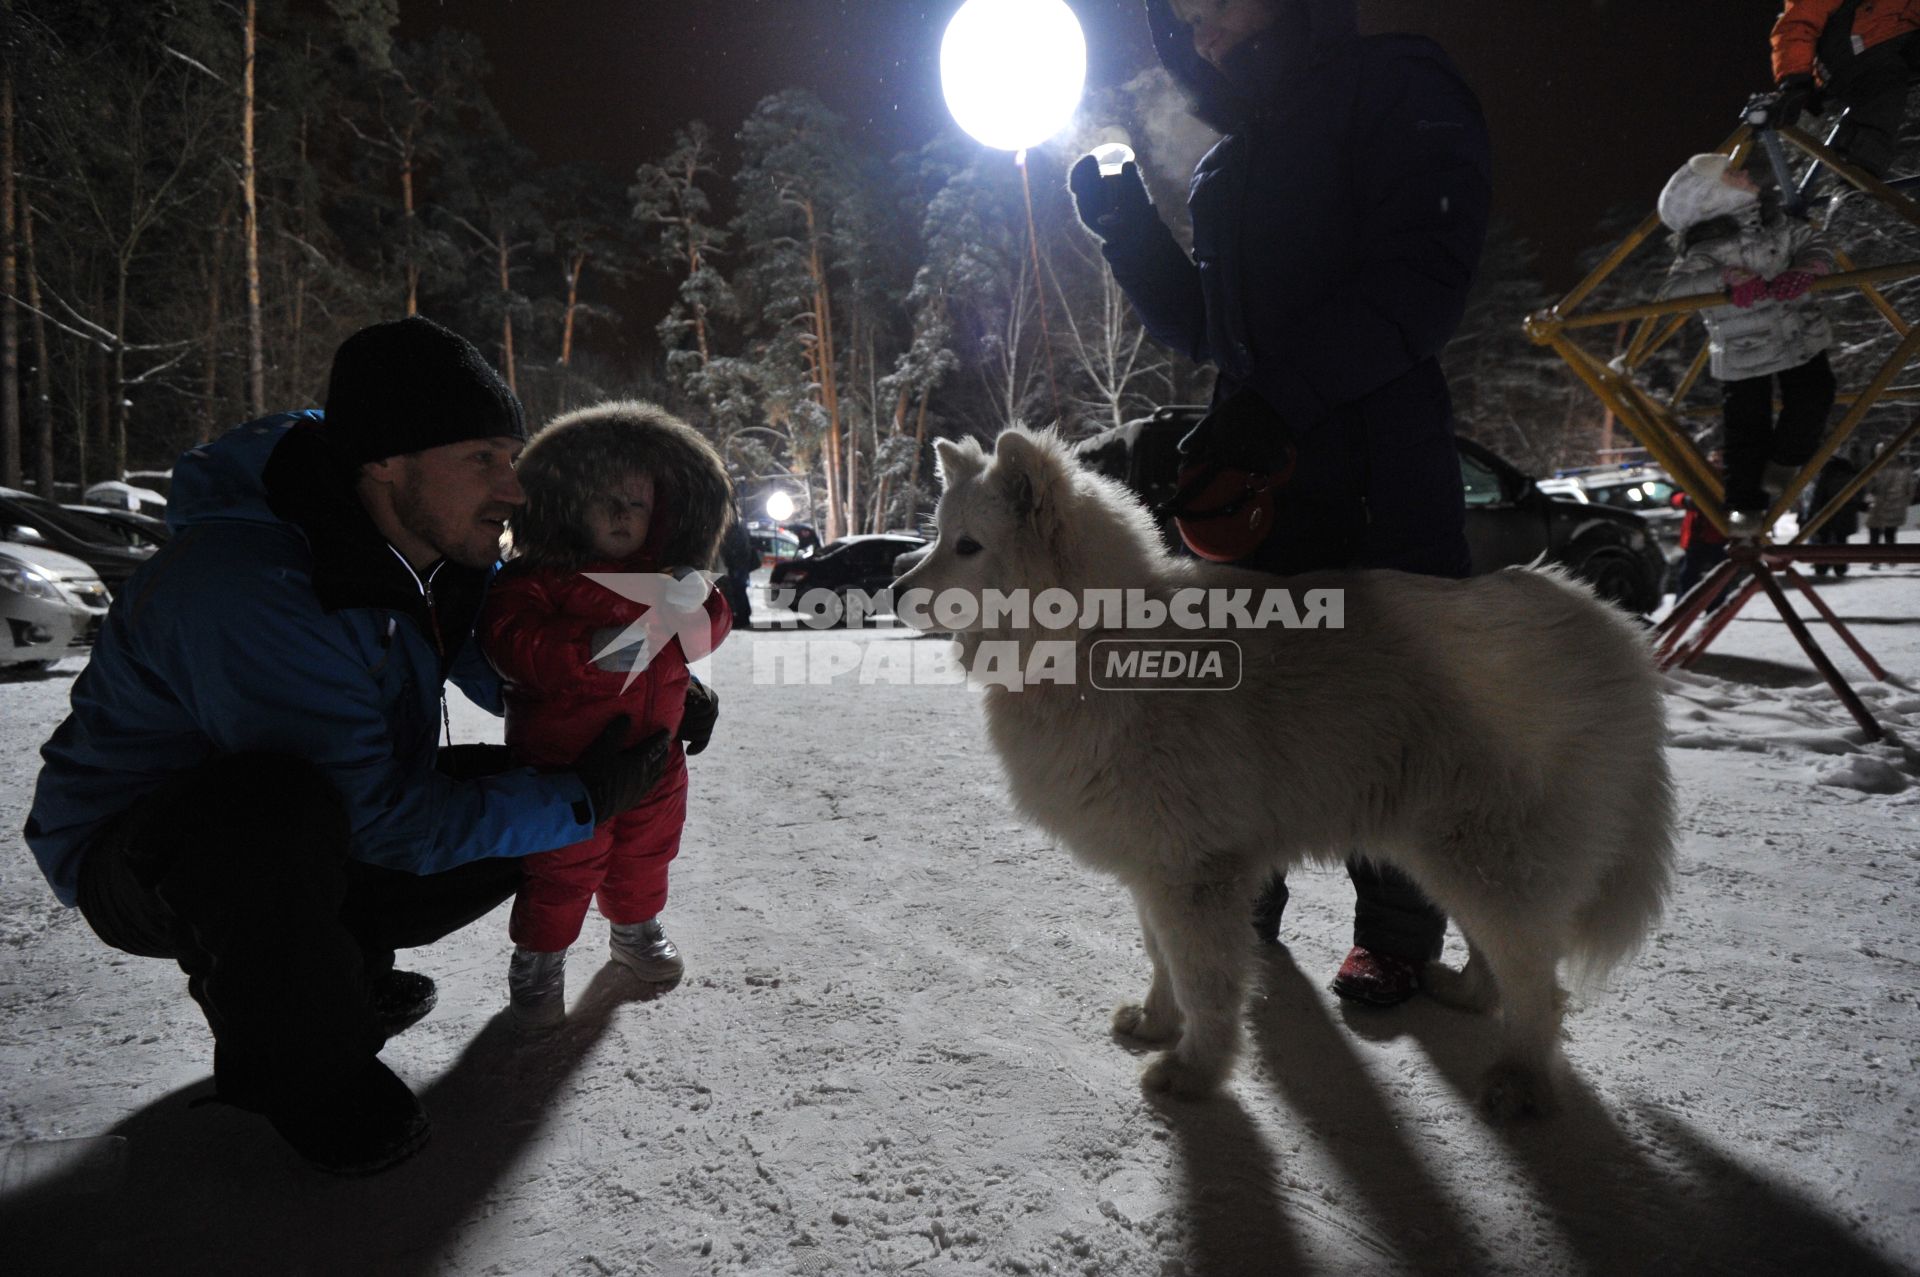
(1740, 180)
(617, 523)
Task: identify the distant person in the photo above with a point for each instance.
(1336, 229)
(251, 781)
(1839, 471)
(1702, 546)
(803, 533)
(1890, 494)
(1862, 57)
(1728, 238)
(622, 489)
(738, 559)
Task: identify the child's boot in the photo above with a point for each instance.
(643, 948)
(537, 988)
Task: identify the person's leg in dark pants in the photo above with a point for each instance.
(238, 870)
(1396, 932)
(1806, 400)
(1873, 86)
(1749, 426)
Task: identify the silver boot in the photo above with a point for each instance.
(537, 988)
(643, 948)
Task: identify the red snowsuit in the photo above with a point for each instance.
(537, 628)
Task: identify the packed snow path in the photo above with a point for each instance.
(891, 1051)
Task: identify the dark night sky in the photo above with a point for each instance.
(1591, 102)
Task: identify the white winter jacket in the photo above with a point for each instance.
(1769, 336)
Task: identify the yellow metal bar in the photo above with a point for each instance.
(1859, 178)
(1698, 366)
(1874, 295)
(1704, 301)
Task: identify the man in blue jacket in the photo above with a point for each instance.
(1336, 228)
(250, 781)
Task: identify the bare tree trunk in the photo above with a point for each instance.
(574, 268)
(824, 369)
(297, 371)
(93, 457)
(256, 355)
(210, 370)
(42, 359)
(117, 417)
(9, 289)
(506, 308)
(406, 198)
(919, 443)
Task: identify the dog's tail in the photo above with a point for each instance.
(1628, 899)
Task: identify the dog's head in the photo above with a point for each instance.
(1029, 517)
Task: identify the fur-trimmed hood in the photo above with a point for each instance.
(570, 463)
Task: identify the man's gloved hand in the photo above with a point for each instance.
(1108, 205)
(1241, 433)
(1789, 284)
(1796, 94)
(702, 711)
(617, 778)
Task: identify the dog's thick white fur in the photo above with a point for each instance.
(1501, 740)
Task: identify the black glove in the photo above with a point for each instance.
(617, 779)
(1241, 433)
(1108, 206)
(702, 711)
(1797, 93)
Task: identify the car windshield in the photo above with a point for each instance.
(34, 510)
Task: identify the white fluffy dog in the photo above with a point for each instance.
(1501, 740)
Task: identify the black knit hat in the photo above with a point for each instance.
(410, 385)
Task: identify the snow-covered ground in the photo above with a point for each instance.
(891, 1049)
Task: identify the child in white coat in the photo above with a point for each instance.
(1728, 238)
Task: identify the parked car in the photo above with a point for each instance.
(863, 563)
(52, 605)
(115, 495)
(775, 545)
(1509, 519)
(30, 520)
(1644, 489)
(141, 533)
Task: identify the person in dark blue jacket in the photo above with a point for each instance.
(251, 782)
(1336, 228)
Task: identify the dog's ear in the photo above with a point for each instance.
(1031, 474)
(956, 461)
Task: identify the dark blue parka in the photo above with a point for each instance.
(1336, 228)
(277, 619)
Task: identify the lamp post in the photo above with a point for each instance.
(1012, 72)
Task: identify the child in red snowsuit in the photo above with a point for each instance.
(627, 492)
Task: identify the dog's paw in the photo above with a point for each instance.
(1170, 1075)
(1463, 990)
(1515, 1092)
(1132, 1021)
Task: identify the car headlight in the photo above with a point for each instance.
(22, 578)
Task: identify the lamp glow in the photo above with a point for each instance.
(1112, 158)
(779, 507)
(1013, 70)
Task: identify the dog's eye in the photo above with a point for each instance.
(965, 546)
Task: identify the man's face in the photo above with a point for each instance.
(1221, 26)
(455, 499)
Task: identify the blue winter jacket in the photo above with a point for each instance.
(277, 619)
(1336, 229)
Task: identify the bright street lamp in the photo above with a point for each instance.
(1013, 70)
